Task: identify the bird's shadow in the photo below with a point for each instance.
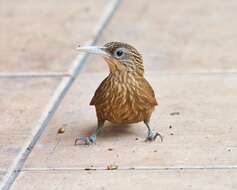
(111, 130)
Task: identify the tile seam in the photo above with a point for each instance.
(214, 167)
(33, 75)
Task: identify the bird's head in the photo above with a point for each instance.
(120, 57)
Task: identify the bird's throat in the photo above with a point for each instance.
(123, 77)
(114, 66)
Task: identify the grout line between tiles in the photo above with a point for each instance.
(66, 74)
(33, 75)
(175, 74)
(201, 73)
(57, 98)
(215, 167)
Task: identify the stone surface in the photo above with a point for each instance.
(177, 36)
(195, 115)
(43, 37)
(21, 104)
(1, 175)
(119, 180)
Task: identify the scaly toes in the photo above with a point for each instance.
(82, 141)
(85, 140)
(92, 138)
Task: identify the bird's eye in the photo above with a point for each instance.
(119, 53)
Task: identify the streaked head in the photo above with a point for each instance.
(119, 56)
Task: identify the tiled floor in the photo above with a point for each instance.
(117, 180)
(178, 37)
(188, 49)
(21, 106)
(42, 36)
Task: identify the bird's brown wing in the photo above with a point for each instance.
(99, 96)
(146, 92)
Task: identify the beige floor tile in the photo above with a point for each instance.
(21, 104)
(118, 180)
(177, 36)
(42, 36)
(202, 134)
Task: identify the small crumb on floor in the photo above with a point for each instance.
(61, 130)
(112, 167)
(175, 113)
(88, 169)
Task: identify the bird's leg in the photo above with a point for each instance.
(87, 140)
(152, 134)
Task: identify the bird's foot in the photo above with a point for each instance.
(85, 140)
(152, 136)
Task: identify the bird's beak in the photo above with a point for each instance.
(99, 50)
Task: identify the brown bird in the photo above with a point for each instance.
(124, 96)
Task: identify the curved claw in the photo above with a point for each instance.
(161, 137)
(152, 136)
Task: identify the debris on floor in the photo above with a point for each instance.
(88, 169)
(112, 167)
(61, 130)
(175, 113)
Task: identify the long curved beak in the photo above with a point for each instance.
(99, 50)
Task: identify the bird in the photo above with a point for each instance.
(124, 96)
